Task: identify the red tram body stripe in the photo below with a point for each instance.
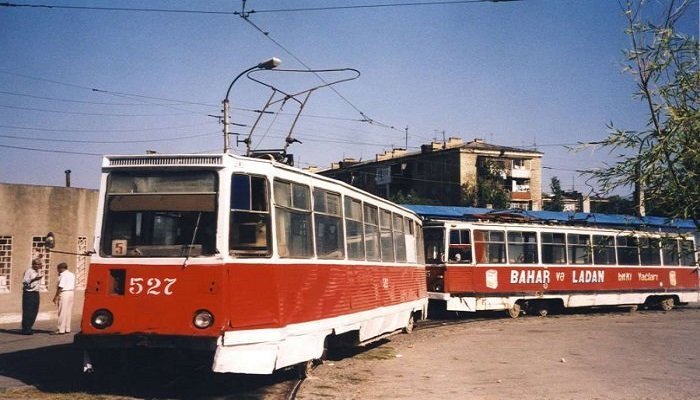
(499, 279)
(243, 296)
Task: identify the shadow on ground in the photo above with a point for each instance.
(146, 374)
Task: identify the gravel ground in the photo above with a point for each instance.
(596, 355)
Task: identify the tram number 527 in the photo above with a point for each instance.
(152, 286)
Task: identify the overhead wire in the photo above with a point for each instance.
(108, 141)
(100, 130)
(279, 10)
(51, 151)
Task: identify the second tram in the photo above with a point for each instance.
(540, 262)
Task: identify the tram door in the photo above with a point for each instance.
(459, 272)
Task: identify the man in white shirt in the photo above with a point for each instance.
(30, 296)
(64, 298)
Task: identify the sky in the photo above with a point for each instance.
(76, 84)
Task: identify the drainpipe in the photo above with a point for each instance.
(67, 177)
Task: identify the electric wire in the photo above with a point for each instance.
(50, 151)
(89, 113)
(365, 118)
(279, 10)
(109, 141)
(100, 130)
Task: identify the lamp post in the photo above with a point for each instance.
(267, 64)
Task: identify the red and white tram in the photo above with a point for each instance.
(253, 260)
(541, 261)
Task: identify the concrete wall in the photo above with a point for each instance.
(28, 213)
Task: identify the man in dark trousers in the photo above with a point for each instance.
(30, 296)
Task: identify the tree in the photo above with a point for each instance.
(413, 198)
(614, 205)
(661, 161)
(489, 190)
(557, 203)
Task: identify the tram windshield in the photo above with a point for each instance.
(434, 245)
(160, 214)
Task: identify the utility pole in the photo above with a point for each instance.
(406, 148)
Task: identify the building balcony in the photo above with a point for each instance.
(520, 173)
(520, 196)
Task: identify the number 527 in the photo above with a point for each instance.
(152, 286)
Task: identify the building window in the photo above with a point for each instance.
(5, 263)
(81, 263)
(519, 205)
(40, 252)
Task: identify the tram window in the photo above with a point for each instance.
(328, 225)
(490, 247)
(627, 250)
(399, 239)
(649, 251)
(522, 247)
(687, 252)
(434, 239)
(579, 248)
(353, 225)
(387, 239)
(371, 214)
(553, 248)
(160, 214)
(409, 224)
(460, 246)
(250, 216)
(670, 252)
(420, 249)
(603, 250)
(293, 220)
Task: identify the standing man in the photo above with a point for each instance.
(30, 296)
(64, 298)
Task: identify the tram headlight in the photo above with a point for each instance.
(102, 319)
(203, 319)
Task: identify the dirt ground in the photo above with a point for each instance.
(601, 355)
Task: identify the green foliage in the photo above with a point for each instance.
(557, 203)
(489, 191)
(616, 205)
(663, 159)
(413, 198)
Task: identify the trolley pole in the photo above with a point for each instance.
(270, 63)
(227, 143)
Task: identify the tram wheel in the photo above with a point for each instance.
(304, 369)
(634, 308)
(667, 304)
(514, 312)
(542, 311)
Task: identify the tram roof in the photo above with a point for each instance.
(553, 217)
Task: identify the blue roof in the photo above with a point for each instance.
(568, 218)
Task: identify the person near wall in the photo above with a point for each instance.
(30, 296)
(64, 298)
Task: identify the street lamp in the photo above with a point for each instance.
(271, 63)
